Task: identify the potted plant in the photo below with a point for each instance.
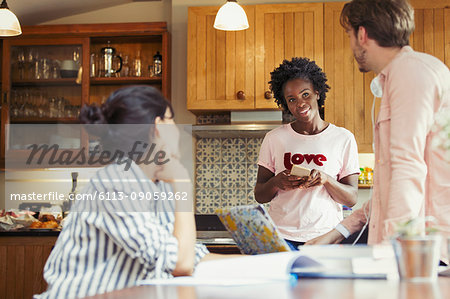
(417, 250)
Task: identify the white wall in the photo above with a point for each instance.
(159, 11)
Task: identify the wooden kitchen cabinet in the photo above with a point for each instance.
(349, 101)
(22, 261)
(222, 64)
(302, 29)
(37, 90)
(284, 31)
(432, 33)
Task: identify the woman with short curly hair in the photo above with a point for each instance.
(308, 206)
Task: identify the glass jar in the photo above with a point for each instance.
(157, 64)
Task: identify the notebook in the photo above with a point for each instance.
(252, 229)
(255, 233)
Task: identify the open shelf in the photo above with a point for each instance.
(124, 80)
(45, 82)
(44, 120)
(364, 186)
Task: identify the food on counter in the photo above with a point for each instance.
(47, 217)
(47, 224)
(15, 219)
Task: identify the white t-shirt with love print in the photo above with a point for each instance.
(303, 214)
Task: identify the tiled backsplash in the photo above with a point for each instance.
(225, 172)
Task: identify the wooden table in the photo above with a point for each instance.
(305, 288)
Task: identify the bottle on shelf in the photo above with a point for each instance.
(369, 175)
(125, 72)
(157, 64)
(362, 176)
(137, 65)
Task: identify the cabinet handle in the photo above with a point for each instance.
(267, 95)
(240, 95)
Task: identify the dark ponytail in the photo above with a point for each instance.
(127, 116)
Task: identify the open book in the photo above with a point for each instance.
(252, 229)
(334, 261)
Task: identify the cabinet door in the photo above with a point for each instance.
(432, 33)
(349, 101)
(284, 31)
(43, 85)
(220, 63)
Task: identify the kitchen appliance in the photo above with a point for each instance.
(106, 62)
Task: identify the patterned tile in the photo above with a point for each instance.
(207, 200)
(207, 176)
(251, 197)
(233, 150)
(226, 172)
(234, 197)
(234, 175)
(252, 172)
(253, 147)
(208, 150)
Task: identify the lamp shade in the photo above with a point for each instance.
(231, 17)
(9, 24)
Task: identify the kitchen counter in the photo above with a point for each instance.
(29, 233)
(215, 241)
(23, 254)
(209, 237)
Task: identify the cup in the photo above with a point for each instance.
(418, 257)
(94, 65)
(69, 69)
(45, 68)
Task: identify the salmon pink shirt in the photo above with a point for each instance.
(411, 178)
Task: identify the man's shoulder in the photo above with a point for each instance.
(424, 61)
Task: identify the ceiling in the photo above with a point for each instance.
(33, 12)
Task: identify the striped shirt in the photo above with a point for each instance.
(107, 245)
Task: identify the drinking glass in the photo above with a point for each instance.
(21, 63)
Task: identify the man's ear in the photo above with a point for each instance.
(362, 35)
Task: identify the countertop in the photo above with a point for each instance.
(205, 237)
(306, 288)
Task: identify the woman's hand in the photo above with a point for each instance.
(316, 178)
(285, 181)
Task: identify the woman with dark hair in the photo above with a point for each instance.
(119, 237)
(305, 207)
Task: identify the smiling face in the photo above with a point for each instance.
(301, 99)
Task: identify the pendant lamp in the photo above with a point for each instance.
(9, 24)
(231, 17)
